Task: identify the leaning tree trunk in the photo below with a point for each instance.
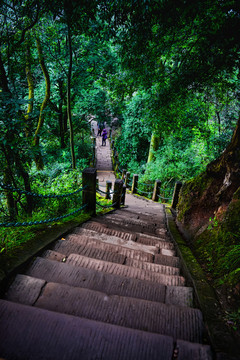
(69, 113)
(154, 144)
(29, 76)
(38, 156)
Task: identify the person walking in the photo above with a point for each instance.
(104, 137)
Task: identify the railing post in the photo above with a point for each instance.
(123, 174)
(134, 184)
(156, 190)
(117, 193)
(176, 192)
(123, 194)
(127, 178)
(108, 189)
(89, 193)
(93, 138)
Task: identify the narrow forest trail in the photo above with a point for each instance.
(111, 289)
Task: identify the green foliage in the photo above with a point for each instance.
(133, 142)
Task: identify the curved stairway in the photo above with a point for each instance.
(112, 289)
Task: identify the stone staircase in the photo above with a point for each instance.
(112, 289)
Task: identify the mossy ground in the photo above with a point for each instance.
(217, 249)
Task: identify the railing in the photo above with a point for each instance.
(89, 190)
(12, 189)
(151, 190)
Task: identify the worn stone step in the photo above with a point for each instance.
(190, 351)
(172, 295)
(123, 270)
(155, 219)
(34, 333)
(112, 284)
(74, 244)
(117, 230)
(179, 295)
(49, 335)
(167, 252)
(116, 240)
(139, 238)
(162, 269)
(166, 260)
(95, 253)
(176, 321)
(25, 289)
(131, 224)
(54, 255)
(142, 243)
(91, 252)
(101, 228)
(32, 291)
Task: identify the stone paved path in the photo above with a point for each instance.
(103, 159)
(111, 289)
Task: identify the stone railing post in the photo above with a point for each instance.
(108, 189)
(156, 190)
(127, 178)
(117, 193)
(93, 161)
(123, 194)
(176, 192)
(89, 193)
(123, 174)
(134, 184)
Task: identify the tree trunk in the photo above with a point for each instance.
(154, 144)
(60, 116)
(30, 90)
(219, 122)
(24, 174)
(11, 205)
(69, 113)
(38, 156)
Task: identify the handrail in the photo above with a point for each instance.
(30, 223)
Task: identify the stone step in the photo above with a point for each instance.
(89, 251)
(161, 269)
(167, 252)
(50, 335)
(138, 237)
(123, 311)
(131, 224)
(116, 240)
(190, 351)
(143, 244)
(95, 253)
(161, 231)
(123, 270)
(155, 219)
(119, 310)
(166, 260)
(74, 243)
(63, 273)
(26, 289)
(101, 228)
